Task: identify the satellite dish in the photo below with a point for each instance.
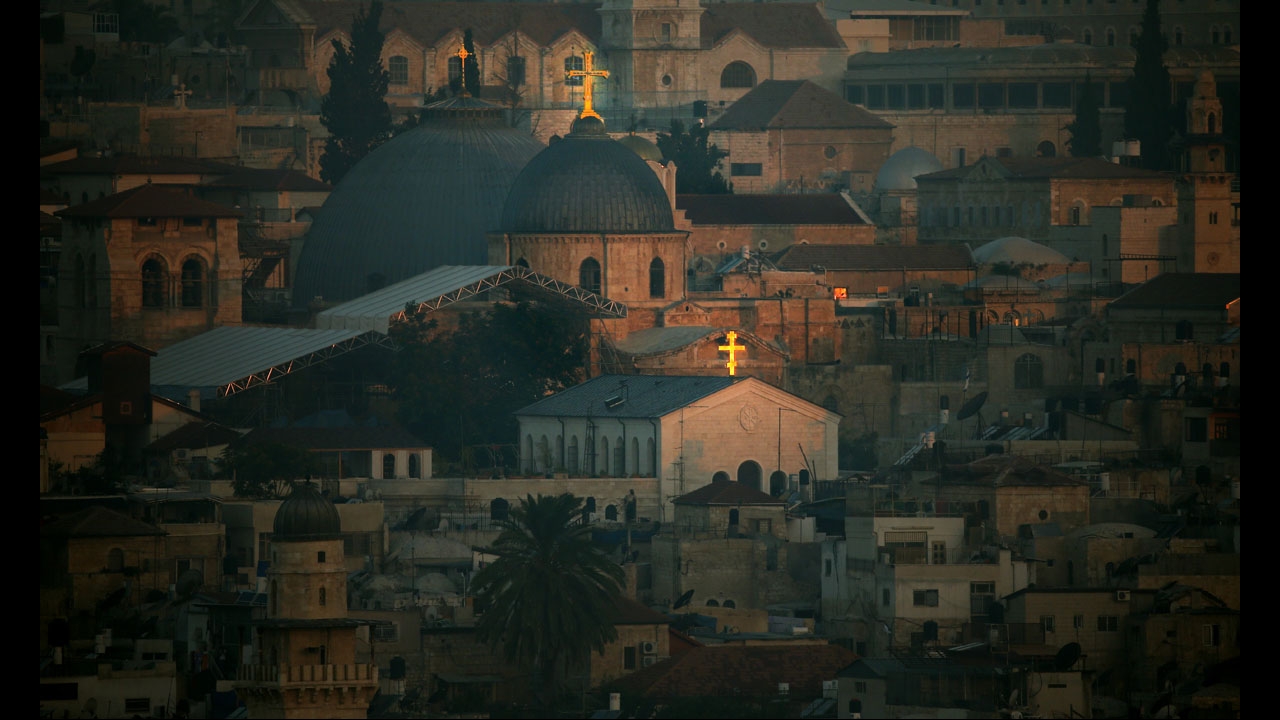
(972, 406)
(683, 600)
(1066, 657)
(189, 581)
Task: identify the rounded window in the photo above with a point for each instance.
(666, 81)
(829, 152)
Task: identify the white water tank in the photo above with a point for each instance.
(615, 701)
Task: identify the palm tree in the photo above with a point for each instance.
(551, 594)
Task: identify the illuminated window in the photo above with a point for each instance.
(840, 293)
(573, 62)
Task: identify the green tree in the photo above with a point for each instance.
(471, 69)
(355, 111)
(264, 470)
(697, 160)
(457, 387)
(1149, 114)
(550, 595)
(1086, 129)
(142, 21)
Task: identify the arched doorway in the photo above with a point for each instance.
(777, 483)
(750, 474)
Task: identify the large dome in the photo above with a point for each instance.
(422, 200)
(587, 183)
(306, 515)
(900, 170)
(1016, 251)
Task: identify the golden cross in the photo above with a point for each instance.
(463, 55)
(732, 348)
(587, 74)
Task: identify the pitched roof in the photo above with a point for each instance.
(1183, 290)
(644, 396)
(806, 209)
(773, 25)
(335, 438)
(794, 104)
(631, 612)
(135, 165)
(740, 670)
(429, 22)
(150, 200)
(727, 493)
(876, 257)
(1008, 470)
(99, 521)
(194, 436)
(1055, 168)
(269, 179)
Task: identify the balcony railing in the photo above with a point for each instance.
(308, 675)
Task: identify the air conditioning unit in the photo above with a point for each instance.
(1122, 595)
(784, 689)
(648, 660)
(648, 647)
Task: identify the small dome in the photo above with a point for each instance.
(587, 183)
(900, 170)
(642, 147)
(306, 515)
(1016, 251)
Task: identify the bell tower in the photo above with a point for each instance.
(1208, 220)
(652, 48)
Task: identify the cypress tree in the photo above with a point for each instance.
(1149, 114)
(1086, 129)
(355, 111)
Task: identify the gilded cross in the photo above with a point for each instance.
(463, 55)
(587, 73)
(732, 348)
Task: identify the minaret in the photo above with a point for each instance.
(306, 646)
(1207, 230)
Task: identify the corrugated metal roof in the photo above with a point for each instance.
(229, 354)
(646, 396)
(374, 311)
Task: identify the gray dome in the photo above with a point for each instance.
(1016, 251)
(587, 182)
(424, 199)
(306, 515)
(900, 170)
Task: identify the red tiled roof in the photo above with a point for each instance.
(794, 104)
(270, 179)
(99, 522)
(875, 257)
(727, 493)
(729, 209)
(150, 201)
(1057, 168)
(335, 438)
(740, 670)
(773, 25)
(135, 165)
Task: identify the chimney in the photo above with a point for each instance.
(193, 399)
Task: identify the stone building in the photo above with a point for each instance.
(796, 136)
(304, 651)
(662, 56)
(149, 265)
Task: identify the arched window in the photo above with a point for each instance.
(611, 512)
(712, 602)
(1076, 211)
(737, 74)
(635, 455)
(573, 62)
(515, 71)
(115, 560)
(1213, 35)
(323, 597)
(1028, 373)
(153, 283)
(455, 70)
(572, 459)
(730, 604)
(1046, 148)
(1111, 37)
(1177, 36)
(603, 467)
(589, 276)
(388, 465)
(1087, 36)
(1213, 123)
(720, 476)
(657, 279)
(1226, 34)
(398, 70)
(777, 483)
(415, 469)
(750, 474)
(650, 459)
(193, 277)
